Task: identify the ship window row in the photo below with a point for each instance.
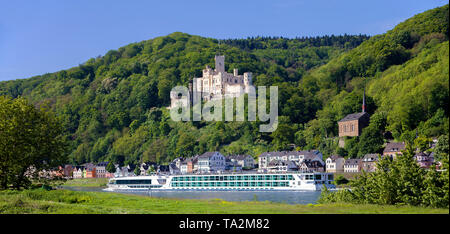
(131, 182)
(144, 186)
(231, 178)
(230, 184)
(313, 177)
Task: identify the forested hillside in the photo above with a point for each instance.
(113, 106)
(406, 75)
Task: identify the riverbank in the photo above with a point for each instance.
(86, 182)
(40, 201)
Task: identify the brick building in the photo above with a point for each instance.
(353, 124)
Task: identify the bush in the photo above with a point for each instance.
(397, 182)
(341, 180)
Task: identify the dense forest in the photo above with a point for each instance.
(113, 107)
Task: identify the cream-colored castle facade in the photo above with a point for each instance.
(217, 83)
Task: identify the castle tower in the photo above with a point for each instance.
(220, 63)
(247, 78)
(247, 81)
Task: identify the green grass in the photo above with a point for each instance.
(39, 201)
(87, 182)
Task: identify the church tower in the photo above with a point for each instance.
(364, 98)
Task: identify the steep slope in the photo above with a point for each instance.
(113, 106)
(110, 104)
(405, 72)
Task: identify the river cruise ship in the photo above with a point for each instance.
(238, 182)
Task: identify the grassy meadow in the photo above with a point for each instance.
(87, 182)
(39, 201)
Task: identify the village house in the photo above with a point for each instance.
(89, 170)
(393, 149)
(173, 169)
(270, 161)
(244, 161)
(281, 166)
(109, 174)
(147, 167)
(57, 172)
(124, 171)
(352, 165)
(162, 169)
(68, 171)
(78, 172)
(425, 160)
(311, 166)
(334, 164)
(100, 170)
(192, 164)
(211, 162)
(91, 173)
(184, 167)
(144, 168)
(369, 162)
(175, 165)
(232, 165)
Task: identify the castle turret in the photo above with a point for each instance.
(247, 78)
(247, 81)
(220, 63)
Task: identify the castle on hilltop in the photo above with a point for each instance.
(218, 84)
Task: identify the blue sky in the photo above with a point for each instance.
(40, 36)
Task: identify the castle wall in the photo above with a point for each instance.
(215, 84)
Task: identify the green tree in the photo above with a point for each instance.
(137, 170)
(30, 141)
(397, 182)
(372, 140)
(110, 167)
(422, 143)
(442, 150)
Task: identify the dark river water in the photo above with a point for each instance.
(290, 197)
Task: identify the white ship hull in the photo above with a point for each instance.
(225, 182)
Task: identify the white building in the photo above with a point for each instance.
(352, 165)
(211, 162)
(123, 171)
(281, 166)
(217, 84)
(268, 161)
(77, 172)
(100, 170)
(183, 167)
(244, 161)
(175, 166)
(334, 164)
